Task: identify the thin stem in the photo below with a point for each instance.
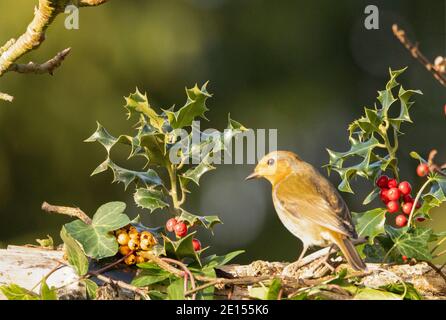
(69, 211)
(173, 186)
(417, 198)
(438, 244)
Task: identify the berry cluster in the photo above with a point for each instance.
(180, 229)
(396, 195)
(131, 243)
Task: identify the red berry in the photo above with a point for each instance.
(170, 224)
(393, 194)
(383, 195)
(180, 229)
(404, 188)
(418, 206)
(404, 258)
(393, 206)
(401, 220)
(392, 183)
(408, 198)
(382, 181)
(407, 207)
(421, 219)
(197, 244)
(422, 169)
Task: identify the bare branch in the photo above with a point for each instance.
(47, 67)
(6, 97)
(416, 53)
(72, 212)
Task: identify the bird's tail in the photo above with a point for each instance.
(349, 252)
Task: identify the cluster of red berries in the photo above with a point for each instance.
(392, 193)
(132, 243)
(180, 229)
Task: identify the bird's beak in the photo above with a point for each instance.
(253, 175)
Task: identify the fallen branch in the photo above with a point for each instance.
(47, 67)
(416, 53)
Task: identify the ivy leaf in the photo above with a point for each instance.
(194, 107)
(76, 256)
(214, 261)
(46, 243)
(138, 103)
(266, 293)
(206, 221)
(375, 294)
(150, 274)
(16, 292)
(47, 293)
(182, 248)
(175, 291)
(370, 223)
(150, 199)
(96, 239)
(91, 287)
(399, 288)
(411, 243)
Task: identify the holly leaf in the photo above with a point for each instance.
(96, 239)
(195, 107)
(371, 196)
(150, 199)
(206, 221)
(75, 254)
(139, 104)
(214, 261)
(370, 223)
(182, 248)
(194, 174)
(411, 243)
(148, 178)
(16, 292)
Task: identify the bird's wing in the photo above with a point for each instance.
(312, 197)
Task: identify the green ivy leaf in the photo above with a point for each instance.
(150, 199)
(411, 243)
(96, 239)
(375, 294)
(46, 243)
(194, 107)
(175, 291)
(16, 292)
(150, 274)
(370, 223)
(214, 261)
(91, 287)
(399, 288)
(76, 256)
(270, 292)
(206, 221)
(47, 293)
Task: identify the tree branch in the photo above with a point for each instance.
(44, 15)
(72, 212)
(416, 53)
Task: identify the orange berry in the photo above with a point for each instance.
(133, 244)
(131, 259)
(140, 259)
(124, 250)
(123, 239)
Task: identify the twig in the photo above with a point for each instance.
(187, 272)
(47, 67)
(44, 14)
(69, 211)
(123, 285)
(415, 52)
(433, 167)
(436, 269)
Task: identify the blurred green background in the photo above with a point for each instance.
(306, 68)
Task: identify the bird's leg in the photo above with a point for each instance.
(325, 261)
(302, 254)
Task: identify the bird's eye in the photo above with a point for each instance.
(270, 162)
